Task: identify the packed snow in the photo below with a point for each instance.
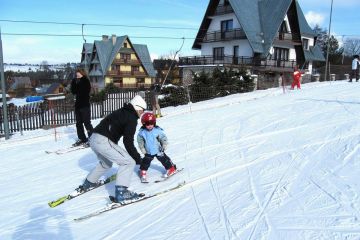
(262, 165)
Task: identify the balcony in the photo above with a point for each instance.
(223, 9)
(219, 36)
(293, 38)
(119, 73)
(126, 61)
(211, 60)
(136, 85)
(231, 60)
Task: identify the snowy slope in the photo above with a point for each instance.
(261, 165)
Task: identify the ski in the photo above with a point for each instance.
(70, 196)
(113, 205)
(166, 178)
(66, 150)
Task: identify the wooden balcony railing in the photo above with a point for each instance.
(288, 36)
(219, 36)
(126, 73)
(126, 61)
(136, 85)
(231, 60)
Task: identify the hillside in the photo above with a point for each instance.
(260, 165)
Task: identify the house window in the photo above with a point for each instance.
(226, 2)
(125, 45)
(305, 43)
(283, 28)
(135, 68)
(125, 56)
(140, 80)
(281, 54)
(218, 53)
(226, 25)
(118, 80)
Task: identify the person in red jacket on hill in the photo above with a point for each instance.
(296, 78)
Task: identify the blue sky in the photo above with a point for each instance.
(186, 15)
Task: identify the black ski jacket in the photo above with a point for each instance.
(81, 88)
(121, 123)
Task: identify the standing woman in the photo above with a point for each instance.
(80, 87)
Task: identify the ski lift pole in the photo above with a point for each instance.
(172, 62)
(52, 110)
(5, 115)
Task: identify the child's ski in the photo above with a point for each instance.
(63, 199)
(66, 150)
(166, 178)
(113, 205)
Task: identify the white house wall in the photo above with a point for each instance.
(215, 25)
(245, 49)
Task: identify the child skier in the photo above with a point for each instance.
(152, 143)
(296, 77)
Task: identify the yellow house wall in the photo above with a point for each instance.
(148, 81)
(126, 68)
(129, 80)
(128, 44)
(108, 80)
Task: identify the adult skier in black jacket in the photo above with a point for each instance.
(80, 87)
(103, 141)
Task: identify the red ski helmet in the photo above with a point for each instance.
(148, 118)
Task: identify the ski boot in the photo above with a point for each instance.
(170, 171)
(78, 143)
(86, 186)
(143, 178)
(123, 195)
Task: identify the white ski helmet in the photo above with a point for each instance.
(138, 103)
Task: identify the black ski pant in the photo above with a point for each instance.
(164, 159)
(82, 116)
(354, 74)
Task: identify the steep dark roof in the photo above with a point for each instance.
(107, 51)
(314, 54)
(305, 29)
(52, 88)
(20, 81)
(143, 53)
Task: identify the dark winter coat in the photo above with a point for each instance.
(121, 123)
(81, 88)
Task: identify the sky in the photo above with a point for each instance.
(176, 19)
(264, 165)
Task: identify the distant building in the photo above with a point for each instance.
(118, 61)
(20, 87)
(162, 68)
(55, 88)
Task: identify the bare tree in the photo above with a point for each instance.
(44, 65)
(352, 46)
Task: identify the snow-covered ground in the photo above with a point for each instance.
(260, 165)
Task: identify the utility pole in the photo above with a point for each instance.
(328, 44)
(3, 88)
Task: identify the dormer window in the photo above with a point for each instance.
(305, 43)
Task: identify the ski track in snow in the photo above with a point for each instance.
(271, 166)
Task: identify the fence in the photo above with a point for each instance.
(51, 113)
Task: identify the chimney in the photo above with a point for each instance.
(113, 39)
(105, 37)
